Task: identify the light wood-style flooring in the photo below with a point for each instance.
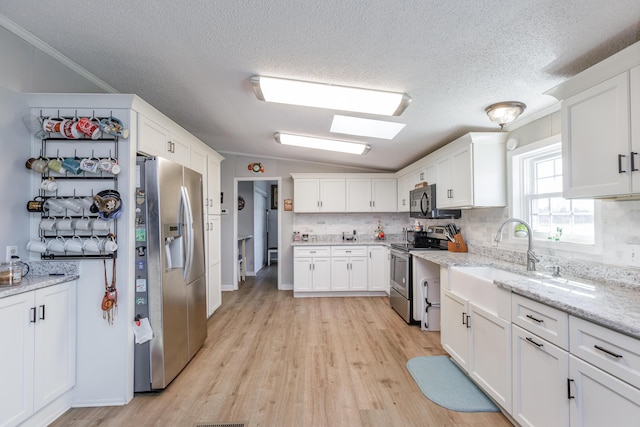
(272, 360)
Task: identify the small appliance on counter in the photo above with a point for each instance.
(346, 235)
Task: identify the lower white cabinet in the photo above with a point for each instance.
(214, 285)
(454, 327)
(349, 273)
(540, 375)
(39, 328)
(312, 269)
(378, 269)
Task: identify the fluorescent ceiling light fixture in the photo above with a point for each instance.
(321, 143)
(320, 95)
(365, 127)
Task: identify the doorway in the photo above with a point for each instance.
(257, 224)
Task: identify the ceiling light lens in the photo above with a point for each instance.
(322, 143)
(365, 127)
(319, 95)
(504, 113)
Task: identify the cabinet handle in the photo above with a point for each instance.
(533, 342)
(610, 353)
(42, 312)
(569, 395)
(534, 319)
(374, 203)
(463, 318)
(33, 315)
(633, 163)
(620, 157)
(468, 323)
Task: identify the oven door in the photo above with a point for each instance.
(400, 272)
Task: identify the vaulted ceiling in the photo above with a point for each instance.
(193, 60)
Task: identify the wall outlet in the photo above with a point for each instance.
(633, 255)
(11, 251)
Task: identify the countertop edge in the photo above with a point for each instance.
(35, 282)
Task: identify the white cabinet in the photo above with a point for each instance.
(454, 327)
(405, 185)
(319, 195)
(155, 140)
(312, 269)
(540, 372)
(214, 286)
(349, 268)
(40, 329)
(471, 171)
(371, 195)
(378, 268)
(213, 183)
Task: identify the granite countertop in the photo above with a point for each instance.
(340, 242)
(31, 283)
(610, 303)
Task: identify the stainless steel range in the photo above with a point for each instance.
(401, 281)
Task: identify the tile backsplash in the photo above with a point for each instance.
(322, 224)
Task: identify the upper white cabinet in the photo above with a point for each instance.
(596, 145)
(319, 195)
(471, 171)
(405, 185)
(371, 195)
(155, 140)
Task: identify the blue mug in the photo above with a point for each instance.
(72, 165)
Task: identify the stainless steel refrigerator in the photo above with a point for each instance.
(170, 270)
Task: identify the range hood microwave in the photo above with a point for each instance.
(423, 205)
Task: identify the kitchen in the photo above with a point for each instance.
(478, 225)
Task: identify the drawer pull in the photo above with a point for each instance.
(534, 319)
(533, 342)
(610, 353)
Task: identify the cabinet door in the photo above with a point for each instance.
(444, 199)
(214, 286)
(490, 354)
(598, 399)
(595, 133)
(332, 195)
(302, 274)
(461, 177)
(378, 270)
(55, 342)
(213, 185)
(16, 367)
(454, 332)
(383, 192)
(429, 173)
(359, 195)
(405, 184)
(540, 372)
(339, 274)
(306, 195)
(358, 273)
(178, 150)
(321, 274)
(634, 90)
(153, 139)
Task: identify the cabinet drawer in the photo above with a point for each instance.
(608, 350)
(348, 251)
(311, 251)
(546, 322)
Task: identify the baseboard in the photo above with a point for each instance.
(105, 402)
(283, 287)
(226, 288)
(339, 294)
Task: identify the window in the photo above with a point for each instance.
(537, 196)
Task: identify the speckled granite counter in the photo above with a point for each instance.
(41, 275)
(346, 242)
(611, 303)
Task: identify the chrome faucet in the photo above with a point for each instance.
(531, 255)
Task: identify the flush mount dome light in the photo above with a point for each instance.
(504, 113)
(321, 143)
(320, 95)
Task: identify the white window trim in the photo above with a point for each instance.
(515, 210)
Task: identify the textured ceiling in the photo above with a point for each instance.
(193, 60)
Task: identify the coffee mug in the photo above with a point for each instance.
(85, 202)
(39, 165)
(51, 125)
(99, 224)
(72, 165)
(92, 245)
(48, 224)
(37, 245)
(83, 224)
(89, 127)
(66, 224)
(74, 245)
(56, 245)
(49, 185)
(36, 205)
(69, 129)
(89, 164)
(114, 126)
(71, 203)
(109, 165)
(54, 205)
(109, 244)
(56, 166)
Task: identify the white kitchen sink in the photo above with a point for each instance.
(476, 285)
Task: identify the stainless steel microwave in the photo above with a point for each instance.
(423, 205)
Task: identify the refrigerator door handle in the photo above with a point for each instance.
(188, 232)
